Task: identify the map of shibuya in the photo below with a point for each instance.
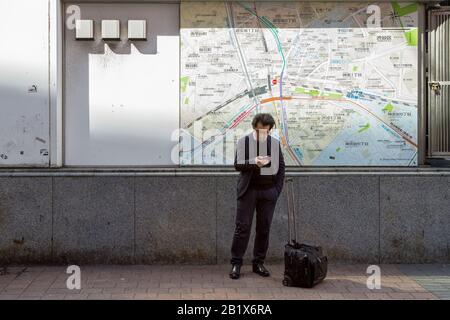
(340, 80)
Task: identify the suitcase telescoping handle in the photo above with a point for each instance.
(292, 225)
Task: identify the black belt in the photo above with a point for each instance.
(262, 186)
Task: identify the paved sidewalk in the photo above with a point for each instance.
(212, 282)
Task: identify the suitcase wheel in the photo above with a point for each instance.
(287, 281)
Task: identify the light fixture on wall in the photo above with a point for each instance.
(84, 30)
(110, 29)
(137, 29)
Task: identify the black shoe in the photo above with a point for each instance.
(261, 270)
(235, 272)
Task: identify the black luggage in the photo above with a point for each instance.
(304, 265)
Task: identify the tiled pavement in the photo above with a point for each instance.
(212, 282)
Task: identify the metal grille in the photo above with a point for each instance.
(439, 82)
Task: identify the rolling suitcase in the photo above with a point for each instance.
(304, 265)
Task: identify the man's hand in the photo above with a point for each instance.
(261, 161)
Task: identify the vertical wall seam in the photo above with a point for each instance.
(52, 219)
(179, 84)
(217, 197)
(134, 218)
(379, 219)
(49, 82)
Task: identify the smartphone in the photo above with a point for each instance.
(265, 158)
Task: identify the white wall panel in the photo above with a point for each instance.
(122, 97)
(24, 86)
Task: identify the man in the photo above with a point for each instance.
(261, 164)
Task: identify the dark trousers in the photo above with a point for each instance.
(264, 201)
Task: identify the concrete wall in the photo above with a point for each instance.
(24, 83)
(121, 102)
(172, 217)
(31, 123)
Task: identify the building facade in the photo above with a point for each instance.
(119, 121)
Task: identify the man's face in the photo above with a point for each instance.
(262, 131)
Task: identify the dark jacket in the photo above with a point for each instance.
(246, 169)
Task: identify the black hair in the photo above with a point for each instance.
(265, 119)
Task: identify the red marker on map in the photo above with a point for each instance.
(274, 81)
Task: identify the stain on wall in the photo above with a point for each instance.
(24, 83)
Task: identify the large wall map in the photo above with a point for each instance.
(340, 80)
